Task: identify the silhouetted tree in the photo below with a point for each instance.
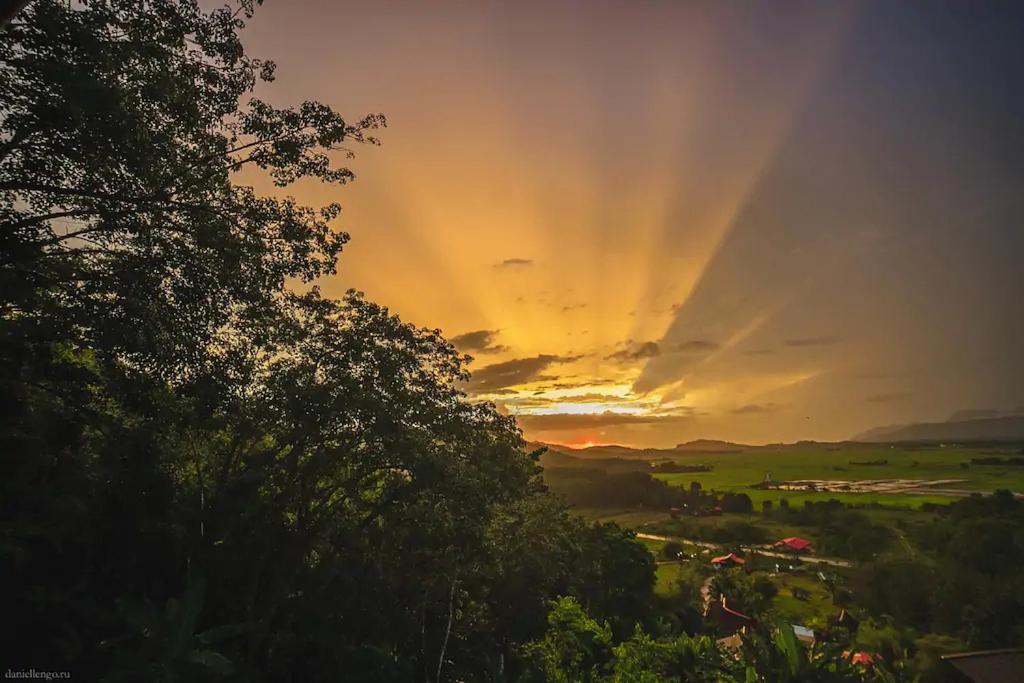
(210, 471)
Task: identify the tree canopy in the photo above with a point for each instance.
(210, 469)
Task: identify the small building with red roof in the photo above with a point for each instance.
(730, 560)
(794, 544)
(862, 658)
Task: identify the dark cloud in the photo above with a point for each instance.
(755, 409)
(592, 382)
(758, 352)
(638, 352)
(592, 398)
(889, 397)
(478, 341)
(514, 372)
(573, 307)
(812, 341)
(569, 421)
(697, 345)
(537, 399)
(982, 414)
(514, 263)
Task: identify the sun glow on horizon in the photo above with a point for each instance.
(687, 236)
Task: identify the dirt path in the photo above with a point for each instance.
(760, 550)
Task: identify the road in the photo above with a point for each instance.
(760, 550)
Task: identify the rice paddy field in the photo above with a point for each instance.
(739, 471)
(629, 519)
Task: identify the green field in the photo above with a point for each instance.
(814, 610)
(630, 519)
(667, 577)
(735, 472)
(738, 471)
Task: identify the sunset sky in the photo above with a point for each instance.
(650, 222)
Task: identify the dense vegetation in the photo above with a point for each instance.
(999, 462)
(209, 468)
(578, 648)
(921, 583)
(595, 487)
(616, 482)
(842, 531)
(741, 471)
(966, 583)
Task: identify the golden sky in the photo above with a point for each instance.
(653, 222)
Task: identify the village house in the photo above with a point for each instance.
(725, 561)
(794, 544)
(861, 658)
(989, 666)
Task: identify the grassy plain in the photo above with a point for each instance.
(814, 608)
(629, 519)
(667, 578)
(738, 471)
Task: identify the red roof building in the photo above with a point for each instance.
(730, 560)
(865, 659)
(794, 544)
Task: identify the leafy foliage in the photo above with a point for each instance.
(214, 471)
(576, 647)
(969, 588)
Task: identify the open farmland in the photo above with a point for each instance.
(738, 472)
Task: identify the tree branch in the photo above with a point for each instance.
(31, 220)
(8, 8)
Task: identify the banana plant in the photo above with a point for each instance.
(163, 645)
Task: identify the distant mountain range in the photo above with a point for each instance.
(603, 451)
(711, 446)
(991, 429)
(708, 446)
